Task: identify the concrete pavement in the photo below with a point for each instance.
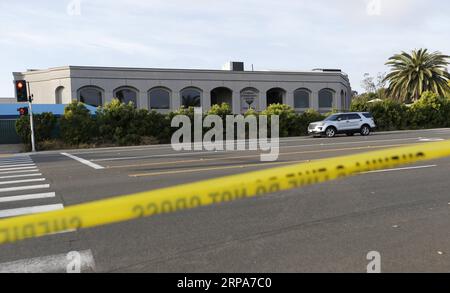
(402, 213)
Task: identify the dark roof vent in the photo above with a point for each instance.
(234, 66)
(327, 70)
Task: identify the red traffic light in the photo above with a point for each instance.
(23, 111)
(21, 91)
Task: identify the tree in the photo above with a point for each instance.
(413, 74)
(371, 84)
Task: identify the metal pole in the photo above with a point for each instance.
(30, 100)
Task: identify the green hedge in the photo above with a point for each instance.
(122, 124)
(77, 125)
(430, 111)
(44, 127)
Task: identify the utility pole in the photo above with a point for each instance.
(30, 101)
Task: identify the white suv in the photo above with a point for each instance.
(348, 123)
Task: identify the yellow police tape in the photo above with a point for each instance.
(213, 191)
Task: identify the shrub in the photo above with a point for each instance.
(287, 118)
(184, 111)
(250, 112)
(359, 104)
(220, 110)
(117, 123)
(44, 125)
(388, 114)
(303, 120)
(77, 125)
(153, 126)
(429, 111)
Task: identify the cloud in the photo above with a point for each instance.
(288, 34)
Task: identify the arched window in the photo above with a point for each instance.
(191, 97)
(326, 99)
(159, 99)
(301, 99)
(126, 95)
(221, 95)
(59, 95)
(275, 96)
(91, 95)
(343, 103)
(249, 99)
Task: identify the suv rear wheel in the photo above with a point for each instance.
(365, 130)
(330, 132)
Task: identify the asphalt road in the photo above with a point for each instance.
(402, 214)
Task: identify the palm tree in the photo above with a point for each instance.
(413, 74)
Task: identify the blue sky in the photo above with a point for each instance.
(355, 35)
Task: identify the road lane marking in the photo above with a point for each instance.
(253, 165)
(161, 147)
(50, 264)
(20, 171)
(282, 147)
(214, 168)
(19, 165)
(18, 168)
(27, 197)
(282, 140)
(64, 232)
(30, 210)
(20, 176)
(400, 169)
(83, 161)
(21, 181)
(250, 156)
(20, 188)
(430, 139)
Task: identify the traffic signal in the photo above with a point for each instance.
(23, 111)
(21, 91)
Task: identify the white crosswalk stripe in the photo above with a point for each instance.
(25, 191)
(19, 165)
(15, 162)
(21, 181)
(19, 188)
(21, 176)
(58, 263)
(19, 171)
(30, 210)
(18, 168)
(27, 197)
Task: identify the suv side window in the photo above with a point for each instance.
(354, 117)
(342, 117)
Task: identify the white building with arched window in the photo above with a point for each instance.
(166, 90)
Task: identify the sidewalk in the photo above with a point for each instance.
(9, 149)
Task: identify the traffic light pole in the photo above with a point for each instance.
(30, 101)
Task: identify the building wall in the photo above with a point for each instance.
(8, 100)
(44, 84)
